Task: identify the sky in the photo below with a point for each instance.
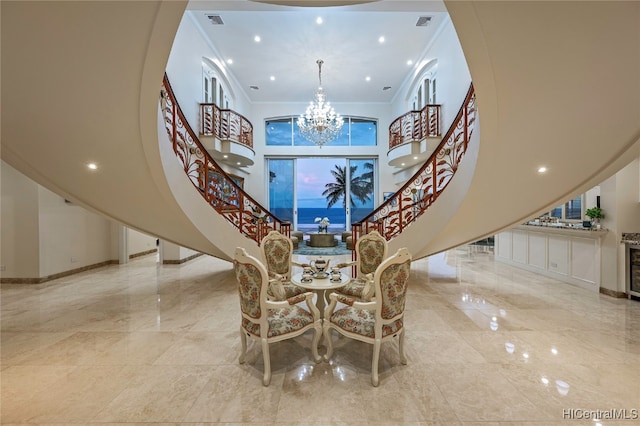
(313, 174)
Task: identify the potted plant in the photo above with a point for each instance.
(595, 214)
(323, 224)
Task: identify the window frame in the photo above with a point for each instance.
(295, 133)
(563, 210)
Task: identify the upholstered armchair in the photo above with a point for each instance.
(371, 250)
(377, 321)
(277, 255)
(269, 321)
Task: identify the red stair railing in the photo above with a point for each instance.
(214, 184)
(225, 124)
(413, 199)
(415, 126)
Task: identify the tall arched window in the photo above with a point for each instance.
(214, 89)
(423, 90)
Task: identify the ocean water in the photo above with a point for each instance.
(306, 217)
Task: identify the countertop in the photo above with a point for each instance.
(630, 238)
(563, 228)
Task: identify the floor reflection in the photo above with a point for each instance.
(143, 342)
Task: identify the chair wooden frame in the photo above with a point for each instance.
(276, 240)
(371, 250)
(276, 250)
(256, 322)
(390, 278)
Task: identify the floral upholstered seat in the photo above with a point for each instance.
(376, 321)
(277, 254)
(269, 321)
(371, 250)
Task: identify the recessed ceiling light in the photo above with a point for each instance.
(409, 62)
(381, 39)
(92, 166)
(238, 163)
(229, 61)
(257, 39)
(402, 164)
(319, 20)
(225, 156)
(415, 158)
(542, 169)
(272, 78)
(367, 78)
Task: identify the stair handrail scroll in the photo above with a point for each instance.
(413, 199)
(214, 184)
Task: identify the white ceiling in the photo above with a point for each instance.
(347, 42)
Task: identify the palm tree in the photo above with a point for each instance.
(361, 187)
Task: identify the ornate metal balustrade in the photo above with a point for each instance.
(415, 126)
(411, 201)
(225, 124)
(213, 183)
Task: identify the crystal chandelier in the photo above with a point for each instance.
(320, 123)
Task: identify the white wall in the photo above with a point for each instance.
(43, 235)
(184, 69)
(70, 236)
(137, 242)
(19, 228)
(173, 253)
(452, 77)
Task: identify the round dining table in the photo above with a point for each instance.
(320, 287)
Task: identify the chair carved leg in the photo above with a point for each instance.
(403, 357)
(374, 364)
(267, 362)
(243, 341)
(317, 333)
(327, 340)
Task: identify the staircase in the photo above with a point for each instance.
(534, 95)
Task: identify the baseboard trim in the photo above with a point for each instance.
(613, 293)
(142, 253)
(180, 261)
(58, 275)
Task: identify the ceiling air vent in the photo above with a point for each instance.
(215, 19)
(423, 21)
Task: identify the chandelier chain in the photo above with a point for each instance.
(320, 62)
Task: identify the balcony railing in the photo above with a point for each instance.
(218, 189)
(412, 200)
(415, 126)
(225, 124)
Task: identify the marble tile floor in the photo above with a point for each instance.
(487, 344)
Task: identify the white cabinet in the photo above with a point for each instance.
(568, 255)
